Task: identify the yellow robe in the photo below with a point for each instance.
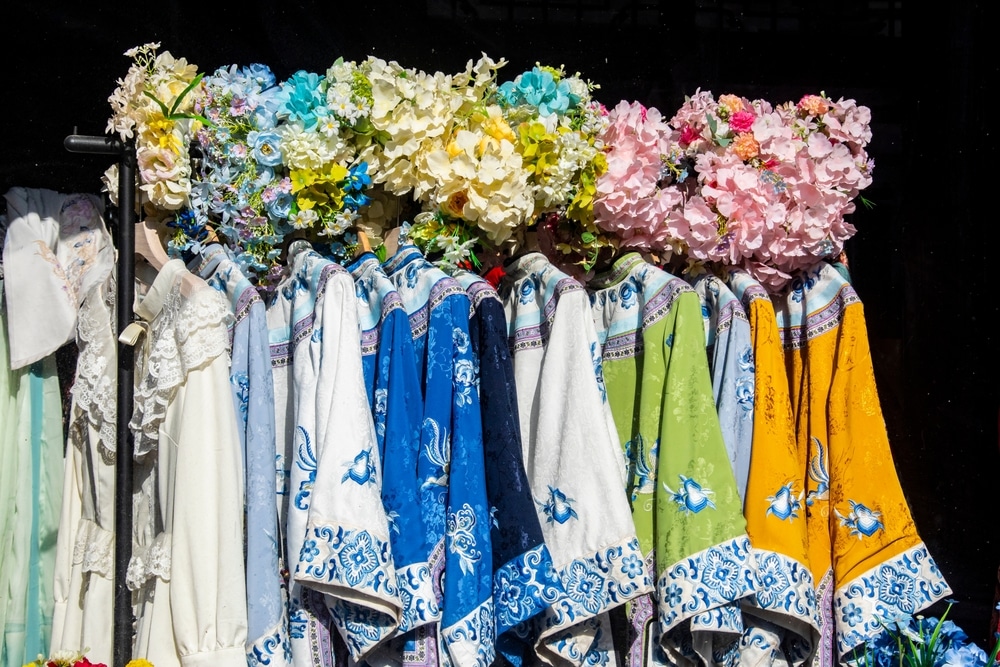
(864, 550)
(774, 505)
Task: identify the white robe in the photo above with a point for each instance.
(573, 457)
(84, 577)
(187, 564)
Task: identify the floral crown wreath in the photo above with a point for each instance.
(479, 165)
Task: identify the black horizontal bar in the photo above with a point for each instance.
(79, 143)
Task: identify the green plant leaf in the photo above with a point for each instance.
(163, 107)
(188, 89)
(712, 125)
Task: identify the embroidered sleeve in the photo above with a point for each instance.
(346, 552)
(468, 625)
(881, 567)
(204, 538)
(576, 469)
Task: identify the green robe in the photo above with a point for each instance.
(685, 504)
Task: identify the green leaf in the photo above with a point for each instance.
(712, 125)
(192, 116)
(188, 89)
(163, 107)
(723, 141)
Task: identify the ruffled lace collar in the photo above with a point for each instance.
(183, 334)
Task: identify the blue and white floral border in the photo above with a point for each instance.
(354, 569)
(595, 584)
(711, 578)
(900, 586)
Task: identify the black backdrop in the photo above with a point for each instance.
(922, 258)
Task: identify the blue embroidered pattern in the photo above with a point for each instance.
(557, 507)
(643, 475)
(306, 461)
(704, 581)
(818, 474)
(598, 583)
(361, 470)
(275, 647)
(785, 585)
(357, 560)
(784, 504)
(461, 528)
(467, 636)
(861, 520)
(903, 585)
(691, 496)
(522, 588)
(417, 600)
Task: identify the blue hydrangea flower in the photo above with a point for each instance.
(301, 98)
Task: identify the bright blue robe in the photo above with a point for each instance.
(451, 468)
(396, 397)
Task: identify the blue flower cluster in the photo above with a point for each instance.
(921, 642)
(540, 89)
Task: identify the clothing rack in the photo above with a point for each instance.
(125, 292)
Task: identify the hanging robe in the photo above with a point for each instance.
(573, 459)
(186, 570)
(337, 530)
(782, 621)
(684, 497)
(450, 467)
(396, 399)
(524, 580)
(864, 551)
(252, 389)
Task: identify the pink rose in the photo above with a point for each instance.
(742, 121)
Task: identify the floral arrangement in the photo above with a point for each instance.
(559, 127)
(773, 183)
(481, 164)
(922, 642)
(242, 187)
(78, 659)
(153, 105)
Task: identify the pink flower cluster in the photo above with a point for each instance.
(761, 187)
(630, 204)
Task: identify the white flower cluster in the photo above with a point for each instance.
(162, 139)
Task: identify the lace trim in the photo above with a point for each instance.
(187, 334)
(148, 562)
(94, 549)
(94, 390)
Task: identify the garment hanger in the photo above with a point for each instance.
(364, 245)
(391, 243)
(149, 247)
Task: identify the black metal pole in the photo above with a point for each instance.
(123, 619)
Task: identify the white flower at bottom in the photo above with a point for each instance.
(303, 219)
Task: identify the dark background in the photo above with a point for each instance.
(922, 260)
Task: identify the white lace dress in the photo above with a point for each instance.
(187, 567)
(84, 575)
